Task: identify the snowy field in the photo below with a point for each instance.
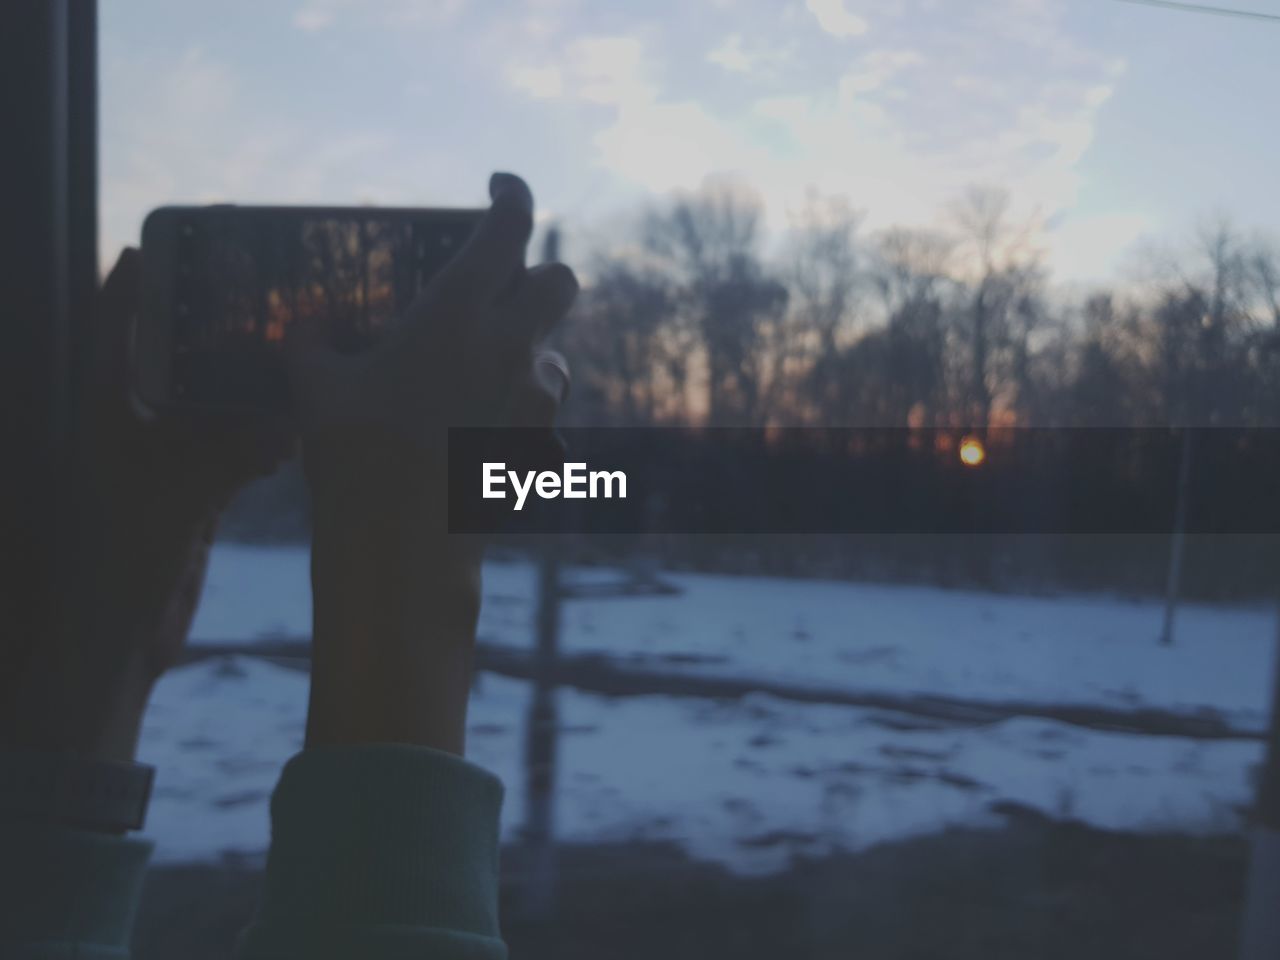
(753, 783)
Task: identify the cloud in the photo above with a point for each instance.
(667, 146)
(320, 14)
(1088, 247)
(611, 70)
(901, 129)
(834, 19)
(790, 111)
(875, 70)
(942, 97)
(730, 55)
(311, 19)
(607, 70)
(195, 133)
(656, 143)
(541, 83)
(765, 61)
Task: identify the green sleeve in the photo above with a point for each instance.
(67, 894)
(380, 852)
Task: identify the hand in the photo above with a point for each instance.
(140, 499)
(395, 596)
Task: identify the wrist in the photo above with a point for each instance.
(396, 597)
(393, 637)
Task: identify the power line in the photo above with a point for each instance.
(1205, 8)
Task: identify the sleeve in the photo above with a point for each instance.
(380, 852)
(67, 893)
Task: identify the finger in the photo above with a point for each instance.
(538, 394)
(552, 370)
(112, 338)
(534, 405)
(540, 302)
(493, 259)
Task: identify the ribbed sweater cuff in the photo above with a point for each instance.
(380, 851)
(66, 892)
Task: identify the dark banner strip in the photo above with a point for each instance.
(870, 481)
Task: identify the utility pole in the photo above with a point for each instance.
(1177, 543)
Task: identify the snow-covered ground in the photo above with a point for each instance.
(753, 783)
(898, 639)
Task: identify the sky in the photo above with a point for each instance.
(1112, 125)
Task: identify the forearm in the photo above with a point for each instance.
(396, 602)
(384, 841)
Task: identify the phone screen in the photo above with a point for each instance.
(241, 276)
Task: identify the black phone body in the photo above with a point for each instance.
(223, 283)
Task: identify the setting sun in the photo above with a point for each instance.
(972, 452)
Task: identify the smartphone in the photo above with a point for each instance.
(222, 284)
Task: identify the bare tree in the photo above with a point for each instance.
(1001, 266)
(624, 339)
(709, 241)
(1263, 272)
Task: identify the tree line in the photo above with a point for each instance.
(691, 321)
(695, 316)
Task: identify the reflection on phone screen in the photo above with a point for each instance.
(244, 277)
